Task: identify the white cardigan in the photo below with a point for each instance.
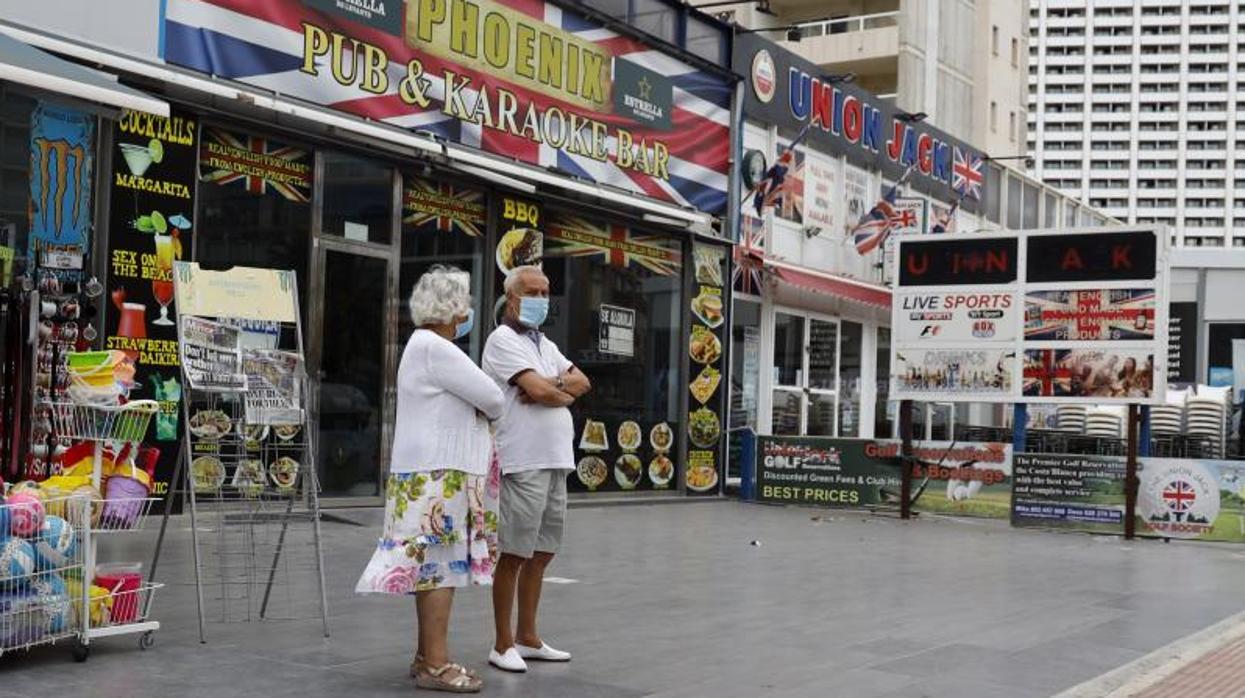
(441, 394)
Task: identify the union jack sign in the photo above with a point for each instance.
(444, 207)
(966, 177)
(257, 164)
(613, 244)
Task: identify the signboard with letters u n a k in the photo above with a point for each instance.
(1032, 316)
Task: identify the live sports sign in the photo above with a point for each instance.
(1041, 316)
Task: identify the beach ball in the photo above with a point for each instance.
(56, 544)
(17, 559)
(53, 596)
(26, 486)
(25, 514)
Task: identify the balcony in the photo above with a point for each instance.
(867, 45)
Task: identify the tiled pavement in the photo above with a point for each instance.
(673, 600)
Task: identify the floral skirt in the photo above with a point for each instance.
(440, 531)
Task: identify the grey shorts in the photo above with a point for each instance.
(532, 511)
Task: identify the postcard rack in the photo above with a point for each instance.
(247, 470)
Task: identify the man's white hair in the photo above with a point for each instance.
(513, 276)
(440, 295)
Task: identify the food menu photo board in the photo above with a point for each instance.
(150, 229)
(1034, 316)
(706, 406)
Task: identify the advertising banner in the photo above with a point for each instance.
(211, 357)
(790, 204)
(1192, 499)
(62, 157)
(937, 374)
(1103, 338)
(534, 81)
(840, 473)
(1090, 315)
(1073, 492)
(707, 406)
(150, 229)
(961, 479)
(241, 293)
(255, 164)
(858, 196)
(821, 192)
(1088, 373)
(958, 316)
(910, 217)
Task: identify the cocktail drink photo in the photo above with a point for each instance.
(162, 283)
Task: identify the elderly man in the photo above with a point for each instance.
(535, 438)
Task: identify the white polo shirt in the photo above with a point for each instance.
(529, 436)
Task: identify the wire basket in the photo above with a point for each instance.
(126, 607)
(123, 514)
(128, 422)
(43, 552)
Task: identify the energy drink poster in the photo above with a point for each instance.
(150, 227)
(62, 146)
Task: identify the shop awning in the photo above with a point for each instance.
(25, 64)
(831, 284)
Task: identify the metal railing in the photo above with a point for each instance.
(845, 25)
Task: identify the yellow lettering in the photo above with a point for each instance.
(555, 139)
(375, 61)
(496, 40)
(339, 54)
(572, 69)
(661, 160)
(431, 13)
(599, 134)
(315, 43)
(525, 49)
(625, 156)
(550, 60)
(593, 85)
(507, 105)
(464, 28)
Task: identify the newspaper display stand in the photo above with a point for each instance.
(247, 468)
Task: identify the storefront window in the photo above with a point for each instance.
(786, 412)
(745, 375)
(442, 223)
(15, 112)
(882, 427)
(788, 349)
(1219, 352)
(822, 354)
(603, 276)
(251, 219)
(849, 378)
(1014, 203)
(820, 414)
(358, 199)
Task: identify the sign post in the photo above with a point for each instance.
(1130, 476)
(905, 460)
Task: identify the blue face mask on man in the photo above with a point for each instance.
(533, 311)
(463, 328)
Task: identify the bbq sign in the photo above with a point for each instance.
(1080, 315)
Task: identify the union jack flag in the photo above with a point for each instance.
(261, 43)
(875, 225)
(966, 177)
(769, 191)
(945, 221)
(444, 207)
(1179, 496)
(748, 273)
(259, 164)
(614, 244)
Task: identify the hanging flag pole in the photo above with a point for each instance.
(770, 189)
(876, 225)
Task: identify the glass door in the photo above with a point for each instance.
(352, 370)
(806, 375)
(354, 272)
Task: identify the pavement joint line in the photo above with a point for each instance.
(1144, 672)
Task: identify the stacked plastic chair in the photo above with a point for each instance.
(1106, 422)
(1167, 420)
(1071, 418)
(1206, 419)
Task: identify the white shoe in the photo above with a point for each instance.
(511, 660)
(544, 653)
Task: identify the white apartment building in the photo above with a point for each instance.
(1137, 107)
(960, 62)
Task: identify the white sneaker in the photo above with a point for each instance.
(511, 660)
(544, 653)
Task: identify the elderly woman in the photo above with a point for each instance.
(440, 529)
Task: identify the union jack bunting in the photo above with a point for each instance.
(257, 164)
(613, 244)
(966, 177)
(444, 207)
(875, 225)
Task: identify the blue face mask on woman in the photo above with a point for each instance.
(533, 311)
(463, 328)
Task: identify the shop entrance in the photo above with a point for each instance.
(816, 380)
(353, 301)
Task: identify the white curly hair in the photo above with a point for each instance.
(441, 294)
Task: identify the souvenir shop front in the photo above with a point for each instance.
(604, 160)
